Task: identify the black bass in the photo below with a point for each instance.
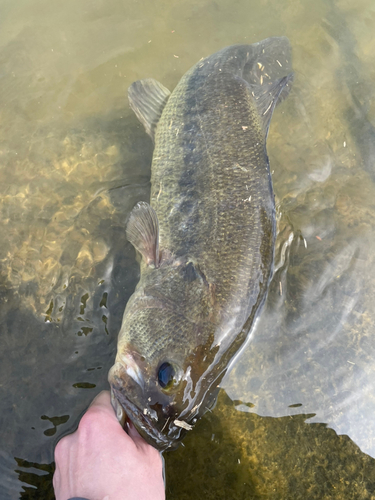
(206, 239)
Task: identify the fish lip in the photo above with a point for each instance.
(146, 429)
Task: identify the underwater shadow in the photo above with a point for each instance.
(240, 455)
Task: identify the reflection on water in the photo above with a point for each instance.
(73, 162)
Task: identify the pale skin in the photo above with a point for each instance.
(100, 461)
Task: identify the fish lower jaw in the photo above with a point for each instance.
(143, 423)
(119, 410)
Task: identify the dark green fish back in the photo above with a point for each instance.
(211, 186)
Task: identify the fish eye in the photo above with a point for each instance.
(168, 375)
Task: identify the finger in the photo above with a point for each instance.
(101, 399)
(56, 477)
(101, 404)
(101, 411)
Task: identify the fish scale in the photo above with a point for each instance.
(220, 189)
(206, 239)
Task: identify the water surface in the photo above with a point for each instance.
(295, 416)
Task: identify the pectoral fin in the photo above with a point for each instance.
(147, 99)
(142, 231)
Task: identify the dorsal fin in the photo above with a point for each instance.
(142, 231)
(267, 96)
(147, 99)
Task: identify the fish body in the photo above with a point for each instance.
(206, 238)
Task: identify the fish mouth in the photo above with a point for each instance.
(143, 423)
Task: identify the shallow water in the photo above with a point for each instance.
(295, 417)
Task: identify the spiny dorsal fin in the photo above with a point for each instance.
(142, 231)
(267, 96)
(147, 99)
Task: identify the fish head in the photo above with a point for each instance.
(158, 376)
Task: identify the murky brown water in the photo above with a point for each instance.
(297, 418)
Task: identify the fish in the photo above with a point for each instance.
(205, 240)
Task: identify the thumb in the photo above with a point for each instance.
(102, 405)
(103, 399)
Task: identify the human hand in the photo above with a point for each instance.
(100, 461)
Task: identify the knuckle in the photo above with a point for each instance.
(60, 449)
(91, 422)
(87, 422)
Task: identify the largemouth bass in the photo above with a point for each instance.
(206, 239)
